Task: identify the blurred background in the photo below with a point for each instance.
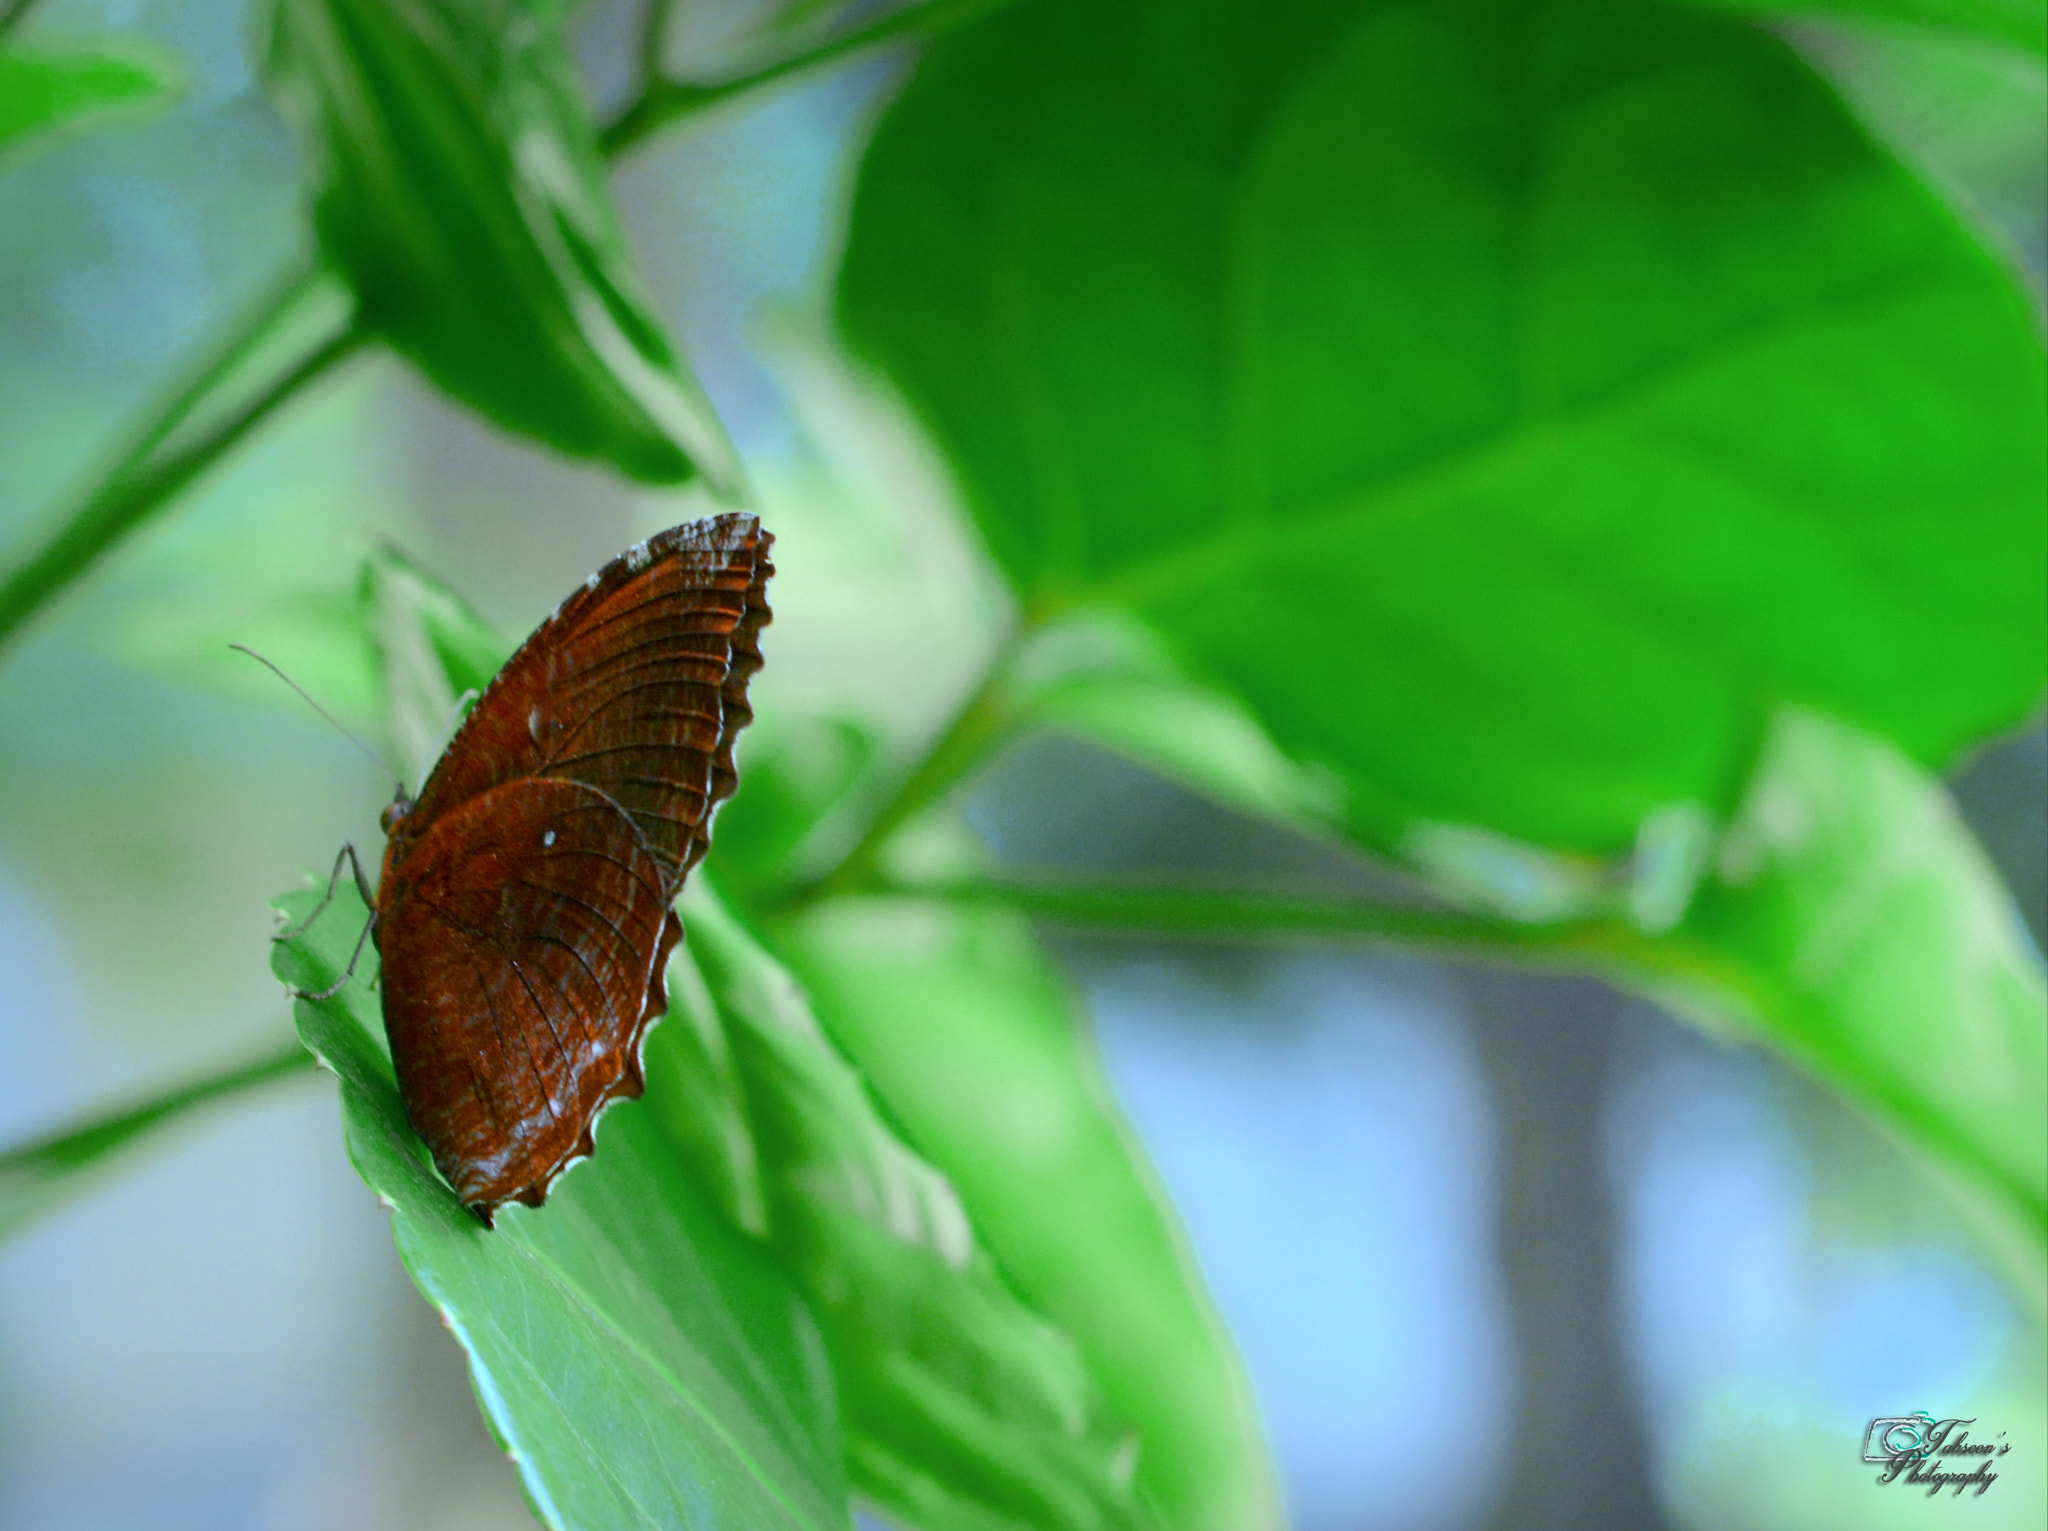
(1499, 1250)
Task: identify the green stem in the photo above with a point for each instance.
(1148, 911)
(662, 101)
(654, 25)
(37, 1177)
(15, 14)
(174, 452)
(962, 745)
(304, 330)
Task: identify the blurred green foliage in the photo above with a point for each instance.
(42, 91)
(2019, 23)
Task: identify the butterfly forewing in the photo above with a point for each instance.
(651, 637)
(524, 917)
(638, 692)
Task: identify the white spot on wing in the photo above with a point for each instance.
(548, 838)
(533, 724)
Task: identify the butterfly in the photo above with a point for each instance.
(524, 917)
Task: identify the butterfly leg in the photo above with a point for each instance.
(346, 973)
(348, 854)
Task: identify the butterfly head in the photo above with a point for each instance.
(395, 814)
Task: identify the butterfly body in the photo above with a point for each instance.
(523, 918)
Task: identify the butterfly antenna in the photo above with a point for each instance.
(368, 754)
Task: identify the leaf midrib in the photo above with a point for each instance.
(1230, 551)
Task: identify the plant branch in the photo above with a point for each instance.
(301, 333)
(36, 1177)
(662, 101)
(1206, 914)
(306, 330)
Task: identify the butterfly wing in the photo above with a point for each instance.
(636, 687)
(523, 957)
(524, 918)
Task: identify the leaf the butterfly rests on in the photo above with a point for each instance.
(523, 919)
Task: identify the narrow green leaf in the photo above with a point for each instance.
(2015, 23)
(964, 1408)
(462, 193)
(432, 649)
(42, 90)
(1853, 921)
(970, 1038)
(642, 1362)
(39, 1177)
(1507, 402)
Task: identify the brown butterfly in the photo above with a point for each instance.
(524, 915)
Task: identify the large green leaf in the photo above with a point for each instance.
(964, 1408)
(1510, 408)
(42, 90)
(970, 1037)
(2018, 23)
(643, 1363)
(1509, 402)
(462, 193)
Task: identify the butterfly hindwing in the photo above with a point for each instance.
(522, 963)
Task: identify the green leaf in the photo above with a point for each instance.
(1853, 921)
(2016, 23)
(964, 1408)
(970, 1038)
(1508, 403)
(462, 194)
(642, 1362)
(1511, 409)
(42, 90)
